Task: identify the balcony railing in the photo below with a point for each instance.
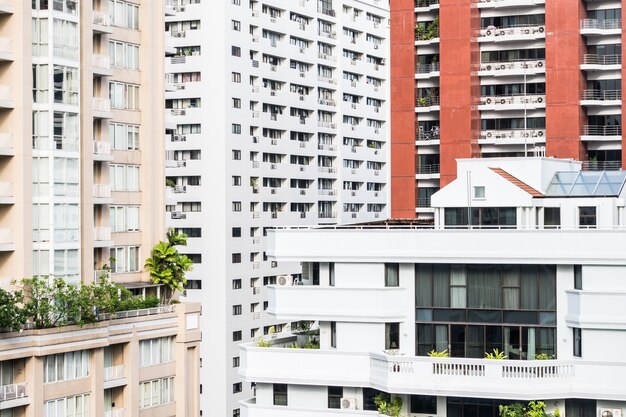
(512, 31)
(118, 412)
(607, 24)
(432, 134)
(423, 202)
(593, 59)
(102, 233)
(512, 134)
(101, 19)
(601, 95)
(101, 147)
(427, 169)
(136, 313)
(114, 372)
(101, 104)
(602, 165)
(427, 101)
(425, 3)
(102, 190)
(512, 100)
(609, 130)
(426, 68)
(527, 65)
(101, 61)
(13, 391)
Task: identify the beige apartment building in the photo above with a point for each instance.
(82, 190)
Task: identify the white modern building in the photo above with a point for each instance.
(537, 271)
(277, 114)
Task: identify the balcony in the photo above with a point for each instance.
(118, 412)
(6, 240)
(591, 27)
(326, 215)
(102, 22)
(6, 144)
(6, 97)
(102, 194)
(426, 104)
(14, 395)
(423, 202)
(508, 3)
(423, 71)
(102, 65)
(508, 68)
(6, 49)
(512, 34)
(426, 5)
(102, 108)
(309, 302)
(516, 102)
(593, 62)
(114, 376)
(427, 169)
(602, 133)
(6, 192)
(102, 151)
(601, 97)
(601, 165)
(484, 378)
(512, 136)
(102, 237)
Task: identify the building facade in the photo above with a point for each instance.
(82, 196)
(500, 78)
(277, 114)
(535, 271)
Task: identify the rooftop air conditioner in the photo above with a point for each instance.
(348, 403)
(284, 281)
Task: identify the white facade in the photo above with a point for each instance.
(559, 291)
(277, 113)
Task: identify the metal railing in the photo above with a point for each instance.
(426, 68)
(609, 130)
(136, 313)
(427, 169)
(512, 30)
(114, 372)
(528, 65)
(512, 134)
(427, 135)
(593, 59)
(423, 202)
(607, 24)
(601, 95)
(602, 165)
(427, 101)
(513, 99)
(119, 412)
(13, 391)
(425, 3)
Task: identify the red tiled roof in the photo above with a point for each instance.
(530, 190)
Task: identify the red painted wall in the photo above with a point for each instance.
(564, 79)
(402, 109)
(459, 84)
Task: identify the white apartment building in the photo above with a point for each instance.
(536, 272)
(277, 115)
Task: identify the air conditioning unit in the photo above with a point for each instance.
(179, 34)
(376, 46)
(610, 412)
(348, 403)
(284, 281)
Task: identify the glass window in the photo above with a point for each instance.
(392, 335)
(424, 404)
(587, 217)
(577, 339)
(551, 217)
(578, 277)
(280, 394)
(334, 397)
(392, 275)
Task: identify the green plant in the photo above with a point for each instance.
(443, 354)
(422, 102)
(495, 354)
(260, 342)
(170, 182)
(388, 407)
(167, 266)
(543, 356)
(532, 409)
(13, 315)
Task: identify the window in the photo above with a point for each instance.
(479, 192)
(189, 231)
(578, 277)
(236, 205)
(266, 305)
(236, 362)
(66, 366)
(124, 137)
(193, 284)
(551, 217)
(236, 232)
(392, 275)
(124, 218)
(77, 406)
(481, 216)
(236, 258)
(334, 397)
(235, 51)
(237, 3)
(424, 404)
(156, 351)
(124, 96)
(237, 310)
(333, 334)
(392, 335)
(280, 394)
(236, 411)
(236, 103)
(237, 336)
(236, 180)
(236, 25)
(236, 153)
(577, 339)
(236, 77)
(156, 392)
(123, 55)
(124, 14)
(237, 387)
(587, 217)
(124, 259)
(368, 398)
(124, 177)
(236, 284)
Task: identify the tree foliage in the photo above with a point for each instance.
(13, 315)
(166, 265)
(390, 407)
(532, 409)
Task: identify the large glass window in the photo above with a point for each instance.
(424, 404)
(587, 217)
(334, 397)
(66, 366)
(481, 216)
(156, 392)
(280, 394)
(77, 406)
(392, 275)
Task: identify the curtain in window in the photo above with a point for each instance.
(511, 290)
(423, 285)
(441, 337)
(441, 286)
(458, 283)
(484, 287)
(391, 275)
(528, 287)
(547, 288)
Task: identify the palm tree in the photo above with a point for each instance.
(167, 266)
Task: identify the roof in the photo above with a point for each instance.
(586, 184)
(530, 190)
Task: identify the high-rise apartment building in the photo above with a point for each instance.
(414, 312)
(81, 191)
(492, 78)
(278, 115)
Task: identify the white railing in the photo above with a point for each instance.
(601, 95)
(136, 313)
(426, 68)
(101, 104)
(119, 412)
(101, 18)
(102, 233)
(102, 190)
(6, 189)
(528, 65)
(101, 61)
(13, 391)
(114, 372)
(593, 59)
(608, 130)
(512, 100)
(101, 147)
(607, 24)
(6, 45)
